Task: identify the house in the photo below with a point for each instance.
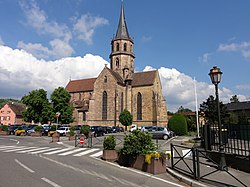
(11, 113)
(240, 109)
(100, 100)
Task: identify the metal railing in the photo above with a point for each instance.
(196, 163)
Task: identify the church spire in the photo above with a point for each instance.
(122, 31)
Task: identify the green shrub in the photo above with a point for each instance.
(4, 128)
(178, 124)
(138, 143)
(53, 128)
(109, 143)
(72, 131)
(85, 129)
(38, 128)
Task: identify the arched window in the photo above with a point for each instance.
(139, 106)
(104, 105)
(117, 47)
(125, 47)
(105, 79)
(117, 62)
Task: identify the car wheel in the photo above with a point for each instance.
(165, 137)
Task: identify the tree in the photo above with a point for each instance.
(178, 124)
(182, 110)
(234, 99)
(60, 101)
(208, 110)
(126, 118)
(38, 107)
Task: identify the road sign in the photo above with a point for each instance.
(58, 114)
(82, 140)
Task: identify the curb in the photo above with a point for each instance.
(186, 180)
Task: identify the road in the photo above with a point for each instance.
(28, 161)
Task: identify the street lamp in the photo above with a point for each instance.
(215, 75)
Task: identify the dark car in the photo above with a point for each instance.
(116, 129)
(97, 130)
(107, 129)
(12, 129)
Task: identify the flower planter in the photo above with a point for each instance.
(4, 133)
(157, 165)
(56, 137)
(71, 138)
(36, 134)
(110, 155)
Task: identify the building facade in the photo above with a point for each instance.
(100, 100)
(11, 113)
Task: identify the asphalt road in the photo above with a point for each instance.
(20, 167)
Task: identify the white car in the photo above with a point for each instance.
(133, 127)
(62, 130)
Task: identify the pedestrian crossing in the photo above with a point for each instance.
(60, 151)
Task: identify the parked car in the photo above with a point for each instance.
(63, 130)
(116, 129)
(107, 129)
(97, 130)
(160, 132)
(12, 129)
(133, 127)
(45, 130)
(21, 130)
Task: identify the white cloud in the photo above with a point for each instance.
(243, 87)
(86, 25)
(243, 48)
(205, 57)
(21, 72)
(146, 39)
(38, 19)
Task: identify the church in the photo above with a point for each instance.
(100, 100)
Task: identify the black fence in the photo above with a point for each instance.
(235, 138)
(201, 165)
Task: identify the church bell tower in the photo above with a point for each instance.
(122, 50)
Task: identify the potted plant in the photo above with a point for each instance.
(139, 152)
(85, 129)
(3, 130)
(38, 131)
(109, 152)
(72, 133)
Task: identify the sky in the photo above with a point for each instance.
(46, 43)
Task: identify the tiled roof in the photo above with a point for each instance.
(81, 85)
(17, 108)
(144, 78)
(238, 106)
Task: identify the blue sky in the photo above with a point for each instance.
(45, 43)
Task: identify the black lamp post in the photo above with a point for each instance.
(215, 75)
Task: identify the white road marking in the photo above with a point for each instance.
(18, 149)
(50, 182)
(97, 154)
(57, 151)
(42, 151)
(86, 152)
(30, 150)
(73, 151)
(25, 167)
